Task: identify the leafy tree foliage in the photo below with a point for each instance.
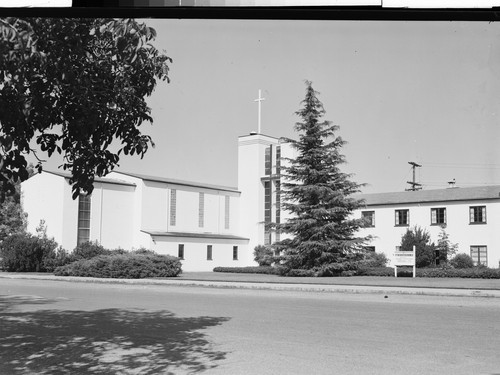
(75, 86)
(318, 195)
(445, 247)
(424, 248)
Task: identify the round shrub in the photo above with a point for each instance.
(462, 261)
(88, 250)
(24, 252)
(123, 266)
(263, 255)
(373, 260)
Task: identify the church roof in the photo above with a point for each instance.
(96, 179)
(196, 235)
(436, 195)
(179, 182)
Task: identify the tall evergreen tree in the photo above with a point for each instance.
(319, 196)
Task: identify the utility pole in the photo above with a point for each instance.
(414, 185)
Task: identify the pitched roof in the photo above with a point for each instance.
(196, 235)
(437, 195)
(178, 182)
(96, 179)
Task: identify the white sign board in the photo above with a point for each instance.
(404, 258)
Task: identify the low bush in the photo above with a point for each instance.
(89, 250)
(123, 266)
(375, 271)
(473, 273)
(58, 257)
(24, 252)
(262, 270)
(462, 261)
(373, 260)
(300, 273)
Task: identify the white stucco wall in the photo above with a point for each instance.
(458, 228)
(42, 198)
(195, 252)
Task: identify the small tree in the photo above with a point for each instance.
(263, 255)
(424, 249)
(445, 247)
(319, 197)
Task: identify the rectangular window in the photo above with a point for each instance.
(201, 210)
(83, 219)
(235, 252)
(173, 206)
(402, 218)
(278, 207)
(267, 161)
(267, 212)
(209, 252)
(477, 214)
(479, 255)
(226, 211)
(278, 160)
(438, 216)
(368, 218)
(180, 251)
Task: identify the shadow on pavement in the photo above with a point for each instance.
(108, 341)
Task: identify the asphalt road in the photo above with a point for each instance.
(59, 327)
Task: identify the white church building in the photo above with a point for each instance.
(209, 226)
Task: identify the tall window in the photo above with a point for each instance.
(368, 218)
(209, 252)
(267, 161)
(226, 211)
(173, 206)
(402, 217)
(477, 214)
(278, 160)
(479, 255)
(267, 212)
(278, 207)
(180, 251)
(438, 216)
(235, 252)
(201, 210)
(83, 218)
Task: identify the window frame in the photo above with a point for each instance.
(235, 252)
(396, 218)
(210, 252)
(477, 259)
(437, 223)
(371, 224)
(472, 215)
(180, 251)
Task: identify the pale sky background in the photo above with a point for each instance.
(399, 90)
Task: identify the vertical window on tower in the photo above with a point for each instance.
(180, 251)
(173, 206)
(278, 207)
(278, 160)
(226, 211)
(267, 161)
(267, 212)
(201, 210)
(83, 219)
(235, 252)
(209, 252)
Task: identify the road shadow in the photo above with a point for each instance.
(108, 341)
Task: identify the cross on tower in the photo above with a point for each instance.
(259, 100)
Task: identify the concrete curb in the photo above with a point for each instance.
(351, 289)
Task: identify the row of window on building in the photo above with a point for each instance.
(477, 215)
(181, 252)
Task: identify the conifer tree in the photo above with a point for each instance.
(319, 196)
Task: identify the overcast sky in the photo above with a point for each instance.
(400, 91)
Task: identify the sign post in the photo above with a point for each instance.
(405, 258)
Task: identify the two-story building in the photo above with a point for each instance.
(469, 215)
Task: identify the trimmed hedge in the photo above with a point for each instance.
(471, 273)
(375, 271)
(123, 266)
(262, 270)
